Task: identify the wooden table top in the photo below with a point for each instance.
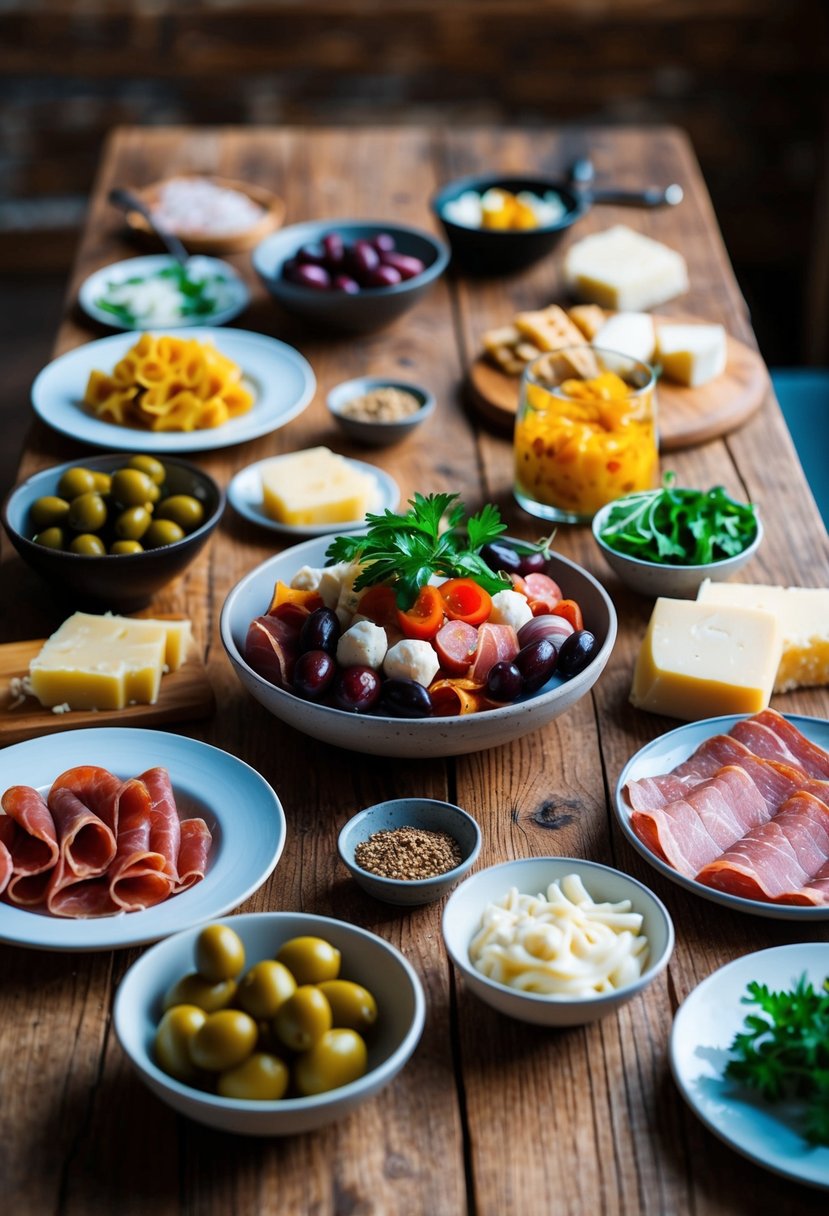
(490, 1116)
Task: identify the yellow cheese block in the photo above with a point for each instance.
(803, 613)
(624, 270)
(699, 660)
(107, 662)
(315, 487)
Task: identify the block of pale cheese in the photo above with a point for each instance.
(628, 333)
(315, 487)
(803, 613)
(691, 354)
(699, 660)
(624, 270)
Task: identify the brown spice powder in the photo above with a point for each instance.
(386, 404)
(408, 853)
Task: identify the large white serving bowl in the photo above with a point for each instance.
(532, 876)
(427, 737)
(367, 959)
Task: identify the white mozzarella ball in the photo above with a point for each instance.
(412, 659)
(510, 608)
(363, 645)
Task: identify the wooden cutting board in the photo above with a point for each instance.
(687, 416)
(185, 694)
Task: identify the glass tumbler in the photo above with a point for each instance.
(585, 432)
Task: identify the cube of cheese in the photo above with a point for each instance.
(699, 660)
(691, 354)
(315, 487)
(803, 613)
(95, 662)
(624, 270)
(628, 333)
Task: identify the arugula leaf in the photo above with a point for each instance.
(783, 1051)
(680, 527)
(432, 538)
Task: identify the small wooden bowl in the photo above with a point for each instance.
(201, 242)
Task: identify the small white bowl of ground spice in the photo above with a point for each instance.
(409, 851)
(377, 410)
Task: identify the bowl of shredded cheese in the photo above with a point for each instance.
(556, 941)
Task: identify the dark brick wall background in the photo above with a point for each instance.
(745, 78)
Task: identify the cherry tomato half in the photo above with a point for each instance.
(464, 600)
(425, 617)
(571, 612)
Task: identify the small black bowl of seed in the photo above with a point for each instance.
(409, 851)
(377, 410)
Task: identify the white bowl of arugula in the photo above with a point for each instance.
(157, 292)
(409, 554)
(666, 542)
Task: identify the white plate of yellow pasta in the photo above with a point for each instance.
(187, 391)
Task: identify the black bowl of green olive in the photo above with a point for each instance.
(108, 531)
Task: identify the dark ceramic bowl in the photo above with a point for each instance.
(493, 251)
(122, 583)
(373, 307)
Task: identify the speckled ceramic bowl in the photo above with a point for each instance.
(427, 813)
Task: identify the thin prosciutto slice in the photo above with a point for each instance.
(7, 831)
(138, 876)
(34, 846)
(196, 840)
(96, 787)
(87, 844)
(165, 827)
(648, 793)
(776, 860)
(773, 737)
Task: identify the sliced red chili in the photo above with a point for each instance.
(464, 600)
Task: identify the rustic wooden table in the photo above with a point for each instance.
(490, 1116)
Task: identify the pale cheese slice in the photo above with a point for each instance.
(315, 487)
(691, 354)
(803, 613)
(628, 333)
(623, 270)
(700, 660)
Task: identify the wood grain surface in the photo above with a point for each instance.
(490, 1117)
(687, 416)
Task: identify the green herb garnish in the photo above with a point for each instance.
(432, 538)
(783, 1051)
(680, 527)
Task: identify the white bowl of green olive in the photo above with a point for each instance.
(107, 532)
(287, 1043)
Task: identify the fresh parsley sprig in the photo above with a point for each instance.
(434, 537)
(680, 527)
(783, 1051)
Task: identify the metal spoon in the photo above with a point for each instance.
(128, 201)
(582, 174)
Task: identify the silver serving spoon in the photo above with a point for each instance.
(582, 174)
(127, 201)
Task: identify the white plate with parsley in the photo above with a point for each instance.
(157, 291)
(772, 1134)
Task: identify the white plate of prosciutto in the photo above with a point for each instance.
(702, 1047)
(736, 810)
(114, 837)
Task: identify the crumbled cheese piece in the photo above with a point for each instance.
(510, 608)
(364, 644)
(412, 659)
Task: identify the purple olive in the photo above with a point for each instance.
(311, 255)
(315, 277)
(357, 689)
(536, 662)
(320, 631)
(383, 276)
(504, 682)
(407, 266)
(406, 699)
(363, 258)
(576, 652)
(344, 282)
(313, 673)
(532, 563)
(334, 248)
(499, 556)
(384, 242)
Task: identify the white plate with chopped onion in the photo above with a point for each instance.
(158, 292)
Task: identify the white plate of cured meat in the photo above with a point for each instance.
(126, 862)
(703, 1030)
(736, 809)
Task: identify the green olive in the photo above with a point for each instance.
(310, 959)
(132, 523)
(154, 495)
(120, 548)
(103, 481)
(162, 532)
(193, 989)
(148, 464)
(220, 954)
(352, 1005)
(303, 1018)
(172, 1041)
(50, 538)
(261, 1077)
(87, 513)
(131, 487)
(87, 545)
(337, 1057)
(265, 987)
(76, 481)
(224, 1039)
(48, 511)
(183, 510)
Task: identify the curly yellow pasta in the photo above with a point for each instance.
(169, 384)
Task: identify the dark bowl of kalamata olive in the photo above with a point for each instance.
(350, 275)
(123, 547)
(402, 722)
